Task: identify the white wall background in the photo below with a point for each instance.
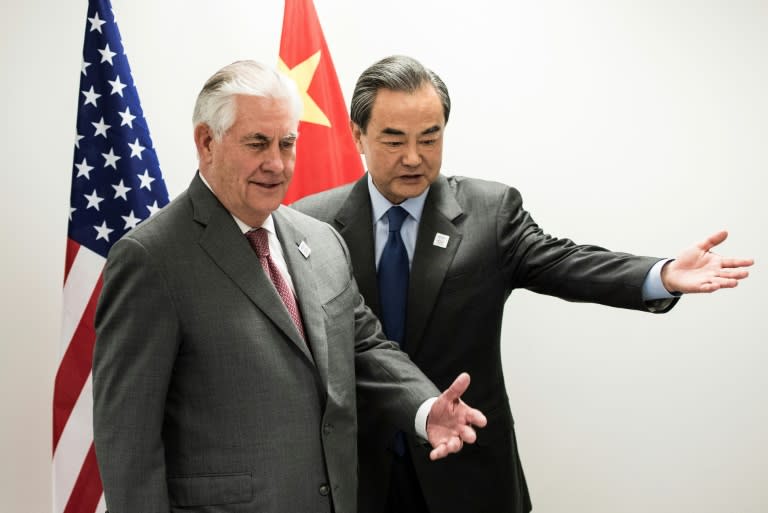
(640, 126)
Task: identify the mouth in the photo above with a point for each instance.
(266, 185)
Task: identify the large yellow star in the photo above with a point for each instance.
(302, 74)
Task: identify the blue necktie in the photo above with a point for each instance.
(393, 276)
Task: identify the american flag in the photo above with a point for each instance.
(116, 183)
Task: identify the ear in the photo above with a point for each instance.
(357, 133)
(203, 142)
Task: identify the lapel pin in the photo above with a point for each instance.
(304, 249)
(441, 240)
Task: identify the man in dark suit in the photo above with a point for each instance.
(232, 342)
(469, 244)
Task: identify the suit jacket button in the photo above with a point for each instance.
(327, 428)
(324, 489)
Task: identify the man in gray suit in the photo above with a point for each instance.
(226, 374)
(469, 244)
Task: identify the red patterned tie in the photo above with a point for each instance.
(260, 244)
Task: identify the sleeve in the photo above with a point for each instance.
(387, 381)
(559, 267)
(137, 336)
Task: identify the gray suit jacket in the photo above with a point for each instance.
(454, 316)
(206, 398)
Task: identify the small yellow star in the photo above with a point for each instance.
(302, 74)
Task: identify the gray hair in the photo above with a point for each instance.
(215, 105)
(396, 73)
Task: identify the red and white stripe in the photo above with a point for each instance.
(76, 483)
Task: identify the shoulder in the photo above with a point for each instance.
(163, 223)
(466, 186)
(324, 204)
(472, 193)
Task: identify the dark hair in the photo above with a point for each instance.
(396, 73)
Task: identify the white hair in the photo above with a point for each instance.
(215, 105)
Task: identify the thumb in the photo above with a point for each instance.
(457, 388)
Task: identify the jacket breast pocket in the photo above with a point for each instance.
(211, 489)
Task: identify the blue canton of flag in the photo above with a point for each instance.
(116, 178)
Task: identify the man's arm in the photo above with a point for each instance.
(136, 343)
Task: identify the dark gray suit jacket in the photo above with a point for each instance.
(455, 306)
(206, 399)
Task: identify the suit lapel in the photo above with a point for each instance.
(229, 249)
(431, 261)
(303, 273)
(354, 222)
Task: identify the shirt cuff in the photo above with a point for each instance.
(653, 288)
(421, 417)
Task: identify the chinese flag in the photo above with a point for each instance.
(325, 155)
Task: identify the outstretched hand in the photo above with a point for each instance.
(451, 421)
(697, 269)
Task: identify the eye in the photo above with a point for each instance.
(287, 144)
(258, 146)
(392, 144)
(428, 142)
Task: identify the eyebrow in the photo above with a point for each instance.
(255, 137)
(259, 137)
(394, 131)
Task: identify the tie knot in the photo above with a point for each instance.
(396, 216)
(259, 241)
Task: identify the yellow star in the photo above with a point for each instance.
(302, 74)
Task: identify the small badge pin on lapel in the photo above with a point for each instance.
(441, 240)
(304, 249)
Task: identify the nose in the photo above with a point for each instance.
(273, 161)
(411, 157)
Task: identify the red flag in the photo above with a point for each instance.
(116, 184)
(326, 155)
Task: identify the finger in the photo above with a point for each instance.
(737, 274)
(717, 283)
(457, 388)
(467, 434)
(476, 418)
(452, 445)
(438, 453)
(713, 240)
(737, 262)
(725, 283)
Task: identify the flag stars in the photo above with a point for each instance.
(90, 97)
(121, 191)
(107, 54)
(84, 66)
(302, 74)
(146, 180)
(131, 221)
(96, 23)
(110, 159)
(78, 138)
(103, 231)
(71, 211)
(83, 169)
(117, 86)
(93, 200)
(101, 128)
(136, 148)
(153, 208)
(127, 118)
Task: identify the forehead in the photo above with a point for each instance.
(270, 116)
(407, 111)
